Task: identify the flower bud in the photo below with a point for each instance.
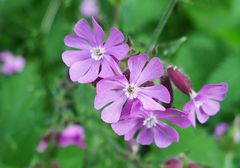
(165, 81)
(180, 80)
(173, 163)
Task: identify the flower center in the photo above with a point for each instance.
(97, 53)
(150, 121)
(130, 91)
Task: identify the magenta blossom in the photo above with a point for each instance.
(89, 8)
(95, 58)
(117, 92)
(72, 135)
(220, 129)
(151, 125)
(206, 102)
(10, 64)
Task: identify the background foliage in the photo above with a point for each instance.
(31, 102)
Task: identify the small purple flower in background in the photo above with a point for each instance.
(89, 8)
(220, 129)
(10, 64)
(151, 125)
(119, 91)
(72, 135)
(95, 58)
(206, 102)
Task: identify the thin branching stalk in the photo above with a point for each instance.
(162, 22)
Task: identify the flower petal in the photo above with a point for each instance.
(92, 74)
(78, 69)
(153, 70)
(148, 103)
(175, 116)
(136, 64)
(107, 85)
(214, 91)
(159, 92)
(189, 108)
(210, 107)
(74, 41)
(119, 52)
(201, 116)
(122, 127)
(106, 70)
(115, 38)
(130, 134)
(103, 99)
(98, 32)
(112, 113)
(164, 135)
(113, 64)
(83, 30)
(145, 136)
(72, 56)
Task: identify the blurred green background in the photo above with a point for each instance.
(39, 98)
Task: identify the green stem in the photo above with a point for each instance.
(50, 15)
(162, 22)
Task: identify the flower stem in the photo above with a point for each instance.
(50, 15)
(162, 22)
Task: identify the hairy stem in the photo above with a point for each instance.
(162, 22)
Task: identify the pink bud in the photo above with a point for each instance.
(174, 163)
(165, 81)
(180, 80)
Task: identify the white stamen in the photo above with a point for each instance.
(97, 53)
(150, 121)
(131, 91)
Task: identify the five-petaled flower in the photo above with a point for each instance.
(121, 93)
(206, 102)
(151, 125)
(95, 58)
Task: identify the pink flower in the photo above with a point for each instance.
(11, 64)
(220, 129)
(151, 125)
(118, 93)
(206, 102)
(72, 135)
(89, 8)
(95, 58)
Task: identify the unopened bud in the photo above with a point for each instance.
(194, 165)
(173, 163)
(180, 80)
(165, 81)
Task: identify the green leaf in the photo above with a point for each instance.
(228, 71)
(198, 57)
(21, 114)
(138, 14)
(201, 146)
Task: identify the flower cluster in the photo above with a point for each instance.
(10, 64)
(132, 99)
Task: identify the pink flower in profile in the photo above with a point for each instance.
(95, 58)
(72, 135)
(206, 102)
(89, 8)
(10, 64)
(118, 93)
(220, 129)
(151, 125)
